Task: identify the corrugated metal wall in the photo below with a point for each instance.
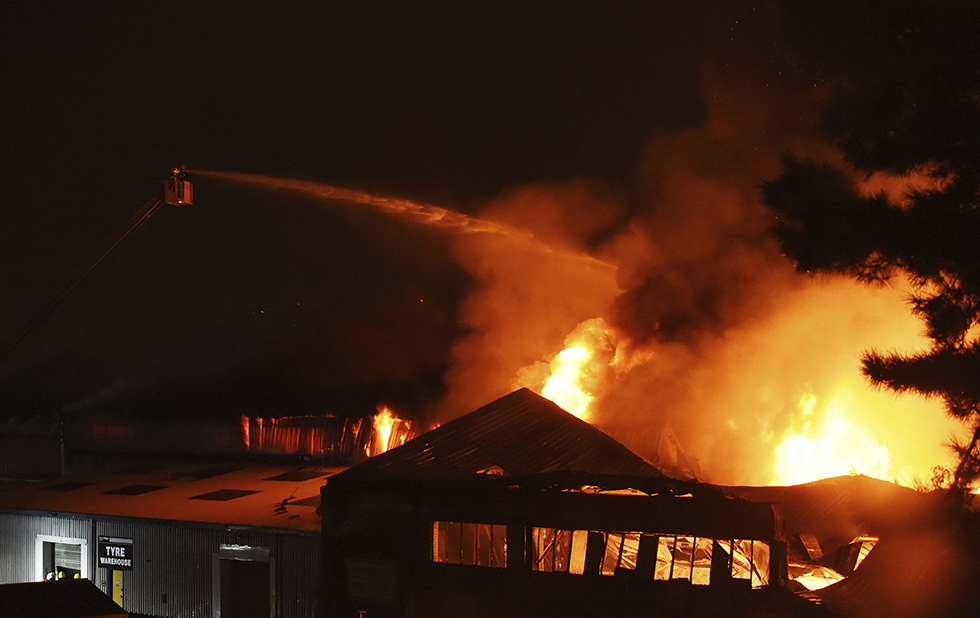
(18, 534)
(173, 567)
(172, 562)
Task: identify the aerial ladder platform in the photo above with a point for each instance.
(177, 191)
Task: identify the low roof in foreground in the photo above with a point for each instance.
(67, 598)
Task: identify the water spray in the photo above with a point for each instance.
(428, 215)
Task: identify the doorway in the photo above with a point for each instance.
(59, 557)
(243, 584)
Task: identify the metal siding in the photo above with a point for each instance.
(17, 537)
(167, 560)
(176, 560)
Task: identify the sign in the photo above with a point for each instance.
(115, 553)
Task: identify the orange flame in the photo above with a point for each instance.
(575, 372)
(824, 443)
(389, 431)
(384, 422)
(564, 387)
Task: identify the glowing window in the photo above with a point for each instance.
(748, 559)
(622, 549)
(701, 565)
(559, 551)
(665, 558)
(468, 543)
(684, 557)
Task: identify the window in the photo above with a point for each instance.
(701, 565)
(622, 549)
(748, 559)
(560, 551)
(470, 544)
(60, 558)
(663, 557)
(675, 555)
(684, 557)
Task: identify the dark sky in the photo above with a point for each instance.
(249, 301)
(242, 298)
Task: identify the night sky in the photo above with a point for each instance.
(447, 105)
(263, 301)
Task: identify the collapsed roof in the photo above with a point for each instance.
(923, 564)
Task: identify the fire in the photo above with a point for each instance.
(824, 443)
(575, 373)
(388, 432)
(384, 422)
(564, 387)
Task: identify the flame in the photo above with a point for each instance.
(244, 423)
(389, 431)
(384, 422)
(824, 443)
(575, 374)
(564, 386)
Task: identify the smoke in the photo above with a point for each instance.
(517, 263)
(713, 334)
(716, 335)
(526, 299)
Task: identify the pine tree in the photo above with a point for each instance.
(906, 98)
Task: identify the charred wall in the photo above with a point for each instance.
(380, 552)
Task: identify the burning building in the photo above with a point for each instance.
(521, 509)
(516, 509)
(179, 517)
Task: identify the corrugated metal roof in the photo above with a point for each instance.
(519, 434)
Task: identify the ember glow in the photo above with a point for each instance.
(321, 436)
(823, 443)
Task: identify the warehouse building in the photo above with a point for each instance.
(521, 509)
(168, 539)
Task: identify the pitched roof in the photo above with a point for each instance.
(517, 435)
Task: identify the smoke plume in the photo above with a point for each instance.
(714, 334)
